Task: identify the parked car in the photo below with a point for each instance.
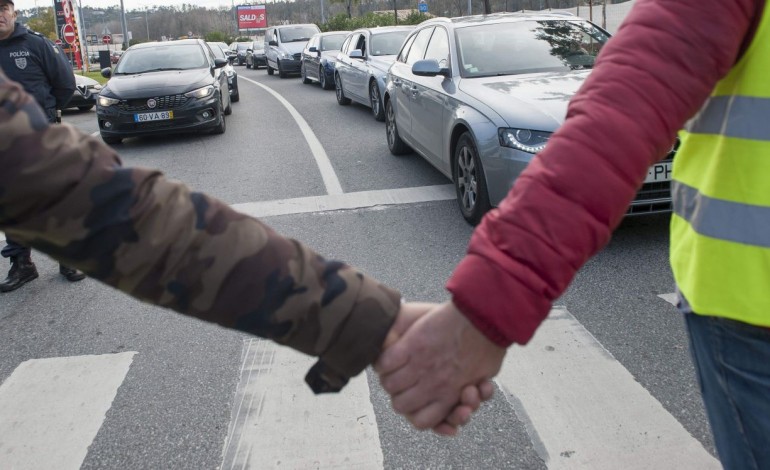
(218, 49)
(86, 91)
(363, 63)
(478, 97)
(115, 56)
(163, 87)
(255, 54)
(283, 47)
(319, 56)
(239, 50)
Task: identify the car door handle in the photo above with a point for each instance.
(397, 82)
(414, 91)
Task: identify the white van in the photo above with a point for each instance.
(284, 45)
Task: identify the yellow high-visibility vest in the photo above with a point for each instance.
(720, 229)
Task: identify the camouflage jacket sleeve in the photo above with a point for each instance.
(66, 194)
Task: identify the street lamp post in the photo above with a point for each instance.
(125, 25)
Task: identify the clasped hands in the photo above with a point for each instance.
(437, 367)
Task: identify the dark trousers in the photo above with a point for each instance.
(13, 250)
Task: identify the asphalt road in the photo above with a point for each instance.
(173, 408)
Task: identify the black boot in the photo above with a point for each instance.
(71, 274)
(22, 271)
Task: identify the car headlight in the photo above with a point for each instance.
(105, 101)
(208, 90)
(525, 140)
(286, 55)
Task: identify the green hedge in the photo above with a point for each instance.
(341, 22)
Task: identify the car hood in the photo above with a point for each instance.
(294, 47)
(82, 81)
(532, 101)
(171, 82)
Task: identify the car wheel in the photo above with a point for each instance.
(111, 140)
(281, 73)
(235, 97)
(340, 94)
(376, 101)
(85, 108)
(470, 186)
(229, 108)
(395, 144)
(222, 127)
(270, 70)
(303, 74)
(326, 84)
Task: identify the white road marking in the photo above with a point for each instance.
(356, 200)
(330, 179)
(583, 409)
(52, 409)
(670, 298)
(277, 422)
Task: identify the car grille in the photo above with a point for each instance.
(298, 56)
(163, 102)
(654, 197)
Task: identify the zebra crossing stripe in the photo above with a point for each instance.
(585, 410)
(52, 409)
(277, 422)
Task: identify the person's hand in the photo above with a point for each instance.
(435, 365)
(471, 396)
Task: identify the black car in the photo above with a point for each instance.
(162, 87)
(239, 48)
(255, 54)
(220, 51)
(319, 56)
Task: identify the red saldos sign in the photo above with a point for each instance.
(252, 16)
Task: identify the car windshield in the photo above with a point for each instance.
(387, 43)
(162, 57)
(216, 49)
(298, 34)
(528, 47)
(242, 46)
(333, 42)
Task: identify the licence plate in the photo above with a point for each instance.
(659, 172)
(156, 116)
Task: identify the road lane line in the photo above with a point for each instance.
(357, 200)
(52, 409)
(587, 410)
(330, 179)
(670, 298)
(278, 423)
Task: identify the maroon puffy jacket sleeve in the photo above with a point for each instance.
(649, 79)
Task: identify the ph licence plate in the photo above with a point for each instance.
(156, 116)
(659, 172)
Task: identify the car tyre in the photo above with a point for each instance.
(326, 84)
(281, 73)
(375, 100)
(235, 97)
(303, 73)
(222, 127)
(470, 185)
(395, 144)
(270, 70)
(111, 140)
(341, 99)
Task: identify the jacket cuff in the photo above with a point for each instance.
(359, 340)
(499, 306)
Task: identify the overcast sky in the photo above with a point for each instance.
(129, 4)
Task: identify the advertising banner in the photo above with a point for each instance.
(67, 29)
(251, 17)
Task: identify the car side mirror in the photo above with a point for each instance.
(107, 72)
(312, 49)
(273, 43)
(356, 54)
(429, 68)
(219, 62)
(249, 50)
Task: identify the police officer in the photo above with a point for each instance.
(40, 67)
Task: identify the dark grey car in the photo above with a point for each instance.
(479, 96)
(319, 58)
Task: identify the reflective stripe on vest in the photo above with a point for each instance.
(720, 229)
(741, 117)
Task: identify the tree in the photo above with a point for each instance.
(348, 5)
(43, 23)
